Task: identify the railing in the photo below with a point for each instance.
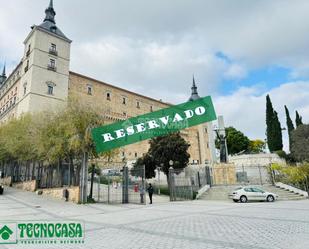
(51, 68)
(291, 189)
(53, 52)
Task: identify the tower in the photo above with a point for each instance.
(205, 133)
(45, 67)
(3, 75)
(194, 94)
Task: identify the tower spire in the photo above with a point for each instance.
(3, 75)
(50, 13)
(51, 4)
(3, 72)
(194, 94)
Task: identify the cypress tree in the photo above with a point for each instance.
(273, 127)
(289, 124)
(277, 135)
(298, 119)
(269, 123)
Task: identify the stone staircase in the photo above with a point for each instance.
(220, 193)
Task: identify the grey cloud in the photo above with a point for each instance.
(154, 47)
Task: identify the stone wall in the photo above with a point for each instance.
(6, 181)
(74, 194)
(119, 104)
(262, 159)
(253, 168)
(224, 174)
(27, 186)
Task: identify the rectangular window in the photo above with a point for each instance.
(137, 104)
(151, 108)
(52, 62)
(25, 89)
(89, 90)
(27, 66)
(50, 90)
(53, 47)
(28, 51)
(124, 101)
(108, 96)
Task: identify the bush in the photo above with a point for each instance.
(163, 190)
(90, 200)
(109, 179)
(104, 180)
(281, 154)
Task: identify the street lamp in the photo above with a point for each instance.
(171, 162)
(159, 170)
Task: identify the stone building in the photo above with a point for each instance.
(43, 81)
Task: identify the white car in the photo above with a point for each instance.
(248, 193)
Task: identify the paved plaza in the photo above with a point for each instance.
(184, 225)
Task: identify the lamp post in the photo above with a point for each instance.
(159, 183)
(171, 180)
(125, 176)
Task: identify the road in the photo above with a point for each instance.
(183, 225)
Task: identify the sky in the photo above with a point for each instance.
(239, 51)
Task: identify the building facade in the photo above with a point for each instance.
(43, 81)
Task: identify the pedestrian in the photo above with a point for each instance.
(66, 194)
(142, 193)
(150, 192)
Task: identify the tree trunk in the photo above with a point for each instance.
(84, 180)
(59, 174)
(91, 183)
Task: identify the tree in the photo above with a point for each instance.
(256, 146)
(298, 119)
(277, 139)
(289, 124)
(48, 140)
(273, 128)
(236, 141)
(269, 123)
(162, 150)
(150, 166)
(300, 143)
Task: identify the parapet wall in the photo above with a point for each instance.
(74, 193)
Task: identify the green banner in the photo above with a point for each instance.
(153, 124)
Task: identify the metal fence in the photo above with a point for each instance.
(180, 185)
(253, 174)
(47, 176)
(184, 183)
(200, 176)
(240, 174)
(120, 186)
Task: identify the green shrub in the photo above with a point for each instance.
(90, 200)
(163, 190)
